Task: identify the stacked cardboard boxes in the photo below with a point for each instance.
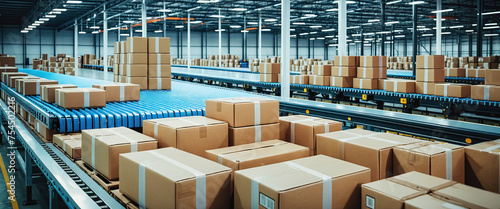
(71, 144)
(491, 90)
(344, 71)
(480, 172)
(430, 71)
(400, 63)
(371, 70)
(7, 61)
(269, 72)
(320, 75)
(159, 69)
(135, 68)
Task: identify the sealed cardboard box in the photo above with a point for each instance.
(48, 92)
(123, 59)
(160, 71)
(137, 58)
(45, 132)
(306, 132)
(120, 92)
(76, 98)
(7, 69)
(492, 77)
(485, 92)
(159, 45)
(155, 59)
(301, 183)
(343, 71)
(12, 79)
(401, 86)
(365, 83)
(345, 61)
(319, 80)
(480, 171)
(243, 111)
(434, 75)
(475, 73)
(473, 59)
(322, 70)
(31, 87)
(455, 72)
(430, 62)
(453, 90)
(160, 83)
(470, 197)
(386, 194)
(422, 182)
(101, 148)
(142, 81)
(137, 45)
(136, 70)
(269, 68)
(273, 78)
(187, 180)
(194, 134)
(71, 144)
(123, 47)
(344, 82)
(299, 79)
(117, 47)
(432, 201)
(425, 88)
(372, 72)
(440, 160)
(6, 75)
(287, 125)
(373, 61)
(252, 134)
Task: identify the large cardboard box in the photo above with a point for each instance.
(120, 92)
(117, 47)
(159, 71)
(273, 78)
(373, 61)
(343, 82)
(299, 79)
(312, 182)
(492, 77)
(470, 197)
(159, 45)
(194, 134)
(269, 68)
(432, 201)
(287, 125)
(137, 45)
(160, 83)
(322, 70)
(243, 111)
(343, 71)
(31, 87)
(6, 75)
(345, 61)
(12, 79)
(485, 92)
(8, 61)
(365, 83)
(123, 59)
(252, 134)
(71, 144)
(481, 169)
(455, 72)
(46, 133)
(137, 58)
(171, 178)
(425, 88)
(387, 194)
(453, 90)
(136, 70)
(102, 147)
(48, 92)
(123, 47)
(76, 98)
(306, 132)
(421, 181)
(319, 80)
(475, 73)
(142, 81)
(440, 160)
(372, 72)
(430, 62)
(401, 86)
(434, 75)
(155, 59)
(7, 69)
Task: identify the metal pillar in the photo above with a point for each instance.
(55, 43)
(297, 46)
(438, 29)
(382, 24)
(144, 23)
(491, 46)
(165, 21)
(105, 41)
(405, 48)
(206, 44)
(430, 46)
(178, 44)
(245, 38)
(308, 47)
(118, 31)
(342, 30)
(228, 41)
(375, 48)
(470, 44)
(202, 44)
(326, 51)
(189, 39)
(220, 41)
(362, 51)
(181, 46)
(131, 30)
(77, 71)
(414, 37)
(479, 45)
(260, 37)
(285, 49)
(459, 45)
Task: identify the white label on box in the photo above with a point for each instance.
(266, 201)
(370, 202)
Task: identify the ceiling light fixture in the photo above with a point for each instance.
(428, 34)
(217, 16)
(235, 26)
(315, 26)
(270, 20)
(266, 29)
(490, 24)
(329, 36)
(179, 26)
(443, 10)
(222, 30)
(164, 10)
(124, 34)
(50, 16)
(239, 9)
(393, 2)
(73, 2)
(374, 20)
(158, 31)
(327, 30)
(298, 23)
(491, 13)
(347, 2)
(95, 32)
(392, 22)
(24, 31)
(400, 36)
(457, 26)
(59, 10)
(313, 32)
(252, 23)
(82, 32)
(320, 38)
(491, 34)
(492, 27)
(469, 31)
(398, 31)
(416, 2)
(244, 31)
(332, 10)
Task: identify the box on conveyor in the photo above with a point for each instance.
(492, 77)
(6, 75)
(373, 61)
(71, 144)
(120, 92)
(311, 182)
(101, 148)
(322, 70)
(319, 80)
(142, 81)
(480, 169)
(252, 134)
(475, 73)
(485, 92)
(430, 62)
(123, 59)
(344, 82)
(365, 83)
(187, 180)
(346, 61)
(7, 69)
(401, 86)
(137, 45)
(299, 79)
(273, 78)
(159, 45)
(270, 68)
(76, 98)
(12, 79)
(344, 71)
(48, 92)
(243, 111)
(455, 72)
(306, 132)
(453, 90)
(159, 71)
(425, 88)
(372, 72)
(159, 83)
(31, 87)
(123, 47)
(155, 59)
(116, 48)
(194, 134)
(45, 132)
(8, 61)
(430, 75)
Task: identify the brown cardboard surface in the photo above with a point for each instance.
(292, 185)
(469, 196)
(492, 77)
(434, 75)
(345, 61)
(137, 45)
(31, 87)
(159, 83)
(433, 62)
(344, 71)
(319, 80)
(482, 165)
(429, 158)
(425, 88)
(344, 82)
(176, 171)
(123, 58)
(137, 58)
(252, 134)
(306, 131)
(159, 45)
(455, 72)
(420, 181)
(194, 134)
(273, 78)
(120, 92)
(12, 79)
(373, 61)
(269, 68)
(5, 76)
(241, 111)
(136, 70)
(485, 92)
(475, 73)
(71, 144)
(46, 133)
(386, 194)
(322, 70)
(453, 90)
(155, 59)
(431, 201)
(298, 79)
(372, 72)
(159, 71)
(401, 86)
(286, 123)
(142, 81)
(74, 98)
(48, 92)
(364, 83)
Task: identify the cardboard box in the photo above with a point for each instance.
(431, 201)
(422, 182)
(344, 71)
(137, 45)
(440, 160)
(8, 61)
(364, 83)
(480, 169)
(453, 90)
(194, 134)
(7, 69)
(48, 92)
(492, 77)
(344, 82)
(243, 111)
(425, 88)
(134, 70)
(485, 92)
(386, 194)
(287, 125)
(434, 75)
(76, 98)
(159, 71)
(369, 72)
(273, 78)
(123, 59)
(101, 148)
(159, 45)
(345, 61)
(269, 68)
(252, 134)
(6, 75)
(401, 86)
(155, 59)
(373, 61)
(306, 132)
(472, 59)
(19, 84)
(31, 87)
(319, 80)
(45, 132)
(299, 79)
(187, 181)
(117, 47)
(469, 196)
(159, 83)
(475, 73)
(301, 183)
(71, 144)
(322, 70)
(369, 149)
(12, 79)
(120, 92)
(123, 47)
(430, 62)
(455, 72)
(142, 81)
(137, 58)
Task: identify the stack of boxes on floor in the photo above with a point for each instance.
(159, 69)
(270, 71)
(135, 68)
(344, 71)
(400, 63)
(7, 61)
(435, 62)
(472, 68)
(254, 65)
(491, 90)
(321, 73)
(60, 64)
(371, 70)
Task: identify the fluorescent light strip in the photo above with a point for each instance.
(82, 32)
(393, 2)
(443, 10)
(164, 10)
(252, 23)
(416, 2)
(50, 16)
(179, 26)
(491, 27)
(270, 20)
(239, 9)
(445, 33)
(24, 31)
(313, 32)
(487, 24)
(374, 20)
(320, 38)
(266, 29)
(393, 22)
(158, 31)
(468, 31)
(329, 36)
(44, 19)
(315, 26)
(332, 10)
(73, 2)
(217, 16)
(428, 34)
(95, 32)
(244, 31)
(298, 23)
(327, 30)
(457, 26)
(491, 13)
(491, 34)
(59, 10)
(399, 36)
(235, 26)
(124, 34)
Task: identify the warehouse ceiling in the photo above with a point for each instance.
(309, 18)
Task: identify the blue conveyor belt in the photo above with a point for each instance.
(240, 70)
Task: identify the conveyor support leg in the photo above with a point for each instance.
(28, 163)
(53, 202)
(380, 105)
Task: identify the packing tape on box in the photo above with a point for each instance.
(341, 145)
(449, 161)
(381, 72)
(333, 81)
(426, 61)
(327, 127)
(265, 68)
(142, 184)
(477, 73)
(131, 44)
(364, 72)
(380, 60)
(340, 71)
(380, 139)
(293, 79)
(445, 90)
(426, 75)
(122, 93)
(292, 128)
(37, 126)
(314, 79)
(158, 58)
(254, 193)
(256, 112)
(93, 151)
(395, 87)
(201, 184)
(158, 83)
(385, 84)
(364, 61)
(158, 70)
(425, 88)
(128, 71)
(258, 133)
(37, 87)
(486, 92)
(327, 182)
(59, 97)
(361, 83)
(448, 205)
(86, 97)
(133, 143)
(340, 61)
(157, 45)
(490, 149)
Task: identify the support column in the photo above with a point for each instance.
(405, 48)
(220, 40)
(77, 71)
(245, 38)
(382, 24)
(118, 31)
(274, 44)
(260, 37)
(297, 46)
(131, 31)
(308, 47)
(326, 51)
(189, 40)
(105, 42)
(479, 44)
(362, 51)
(430, 45)
(342, 30)
(438, 29)
(178, 44)
(165, 21)
(285, 49)
(491, 46)
(459, 45)
(228, 41)
(144, 21)
(414, 37)
(470, 44)
(202, 44)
